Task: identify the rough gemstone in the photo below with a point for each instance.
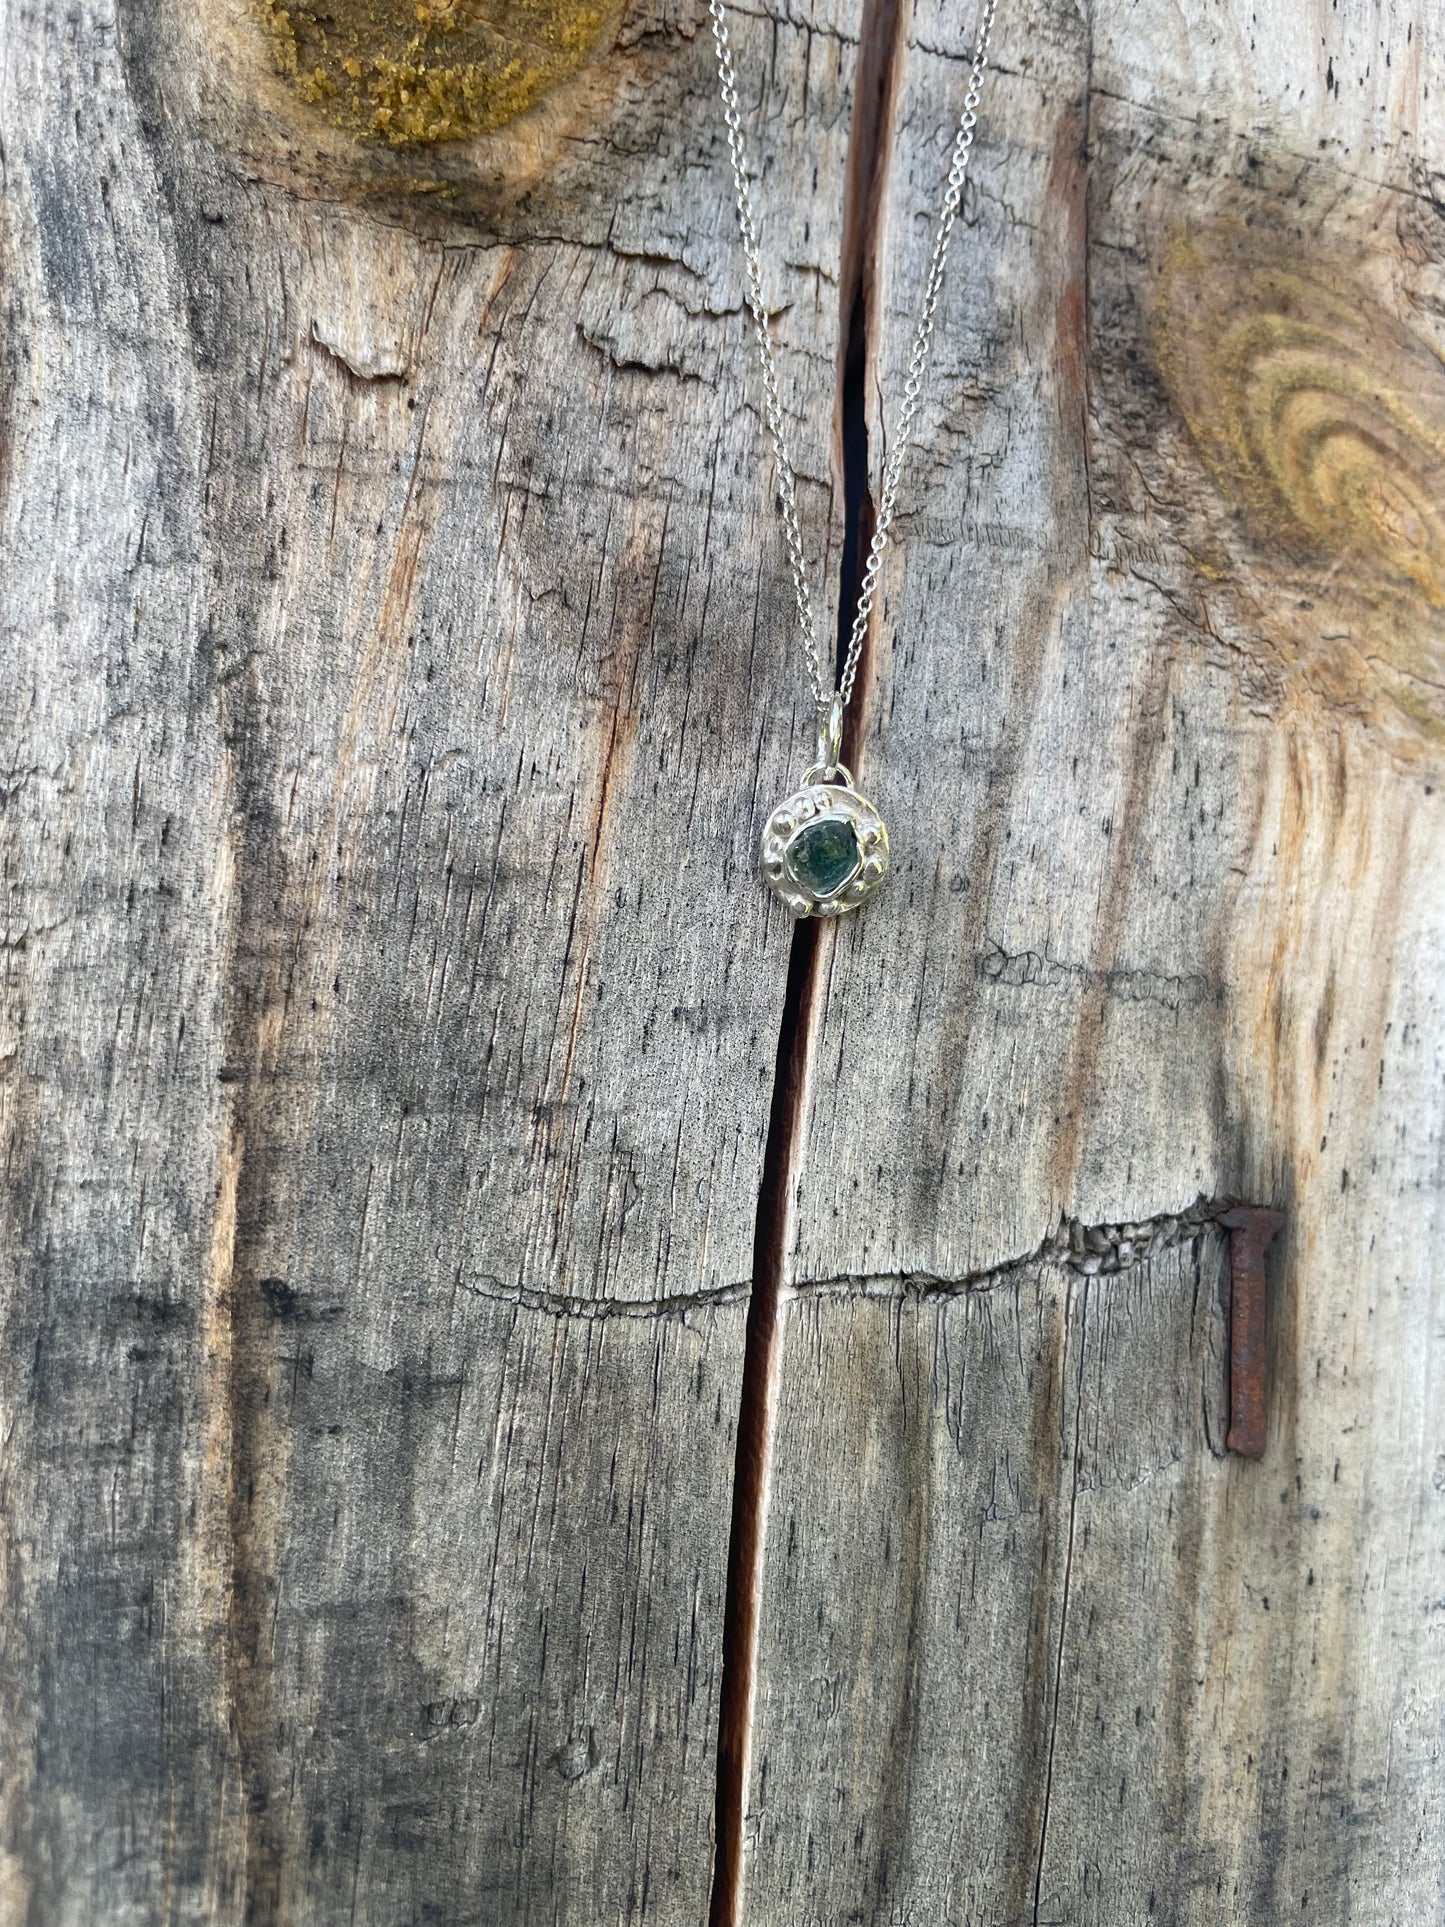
(823, 856)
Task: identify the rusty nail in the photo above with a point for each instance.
(1252, 1230)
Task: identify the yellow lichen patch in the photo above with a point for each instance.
(414, 72)
(1321, 417)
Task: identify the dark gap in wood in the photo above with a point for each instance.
(881, 35)
(857, 496)
(1068, 1577)
(772, 1239)
(880, 46)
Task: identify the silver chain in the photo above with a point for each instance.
(830, 702)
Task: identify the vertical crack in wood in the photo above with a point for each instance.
(881, 54)
(1064, 1594)
(772, 1245)
(882, 49)
(255, 1504)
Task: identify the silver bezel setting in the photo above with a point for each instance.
(815, 802)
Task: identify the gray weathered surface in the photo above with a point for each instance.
(493, 1676)
(1044, 1652)
(997, 1444)
(1158, 724)
(401, 659)
(392, 652)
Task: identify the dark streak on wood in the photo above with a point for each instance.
(1068, 1567)
(756, 1419)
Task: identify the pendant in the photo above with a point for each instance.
(825, 846)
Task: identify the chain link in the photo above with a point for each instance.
(824, 695)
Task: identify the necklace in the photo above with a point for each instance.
(825, 846)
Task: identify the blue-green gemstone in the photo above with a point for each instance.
(823, 856)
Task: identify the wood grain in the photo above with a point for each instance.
(917, 1749)
(487, 1689)
(401, 663)
(1097, 1670)
(390, 1009)
(1155, 726)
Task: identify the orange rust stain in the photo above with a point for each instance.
(212, 1541)
(210, 1545)
(633, 606)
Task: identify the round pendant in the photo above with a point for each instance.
(825, 846)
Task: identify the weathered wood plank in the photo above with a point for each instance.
(403, 639)
(116, 1790)
(493, 1678)
(1046, 1653)
(1157, 727)
(1085, 708)
(405, 657)
(925, 1620)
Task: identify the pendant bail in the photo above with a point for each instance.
(830, 736)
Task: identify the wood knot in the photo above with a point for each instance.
(1321, 418)
(416, 72)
